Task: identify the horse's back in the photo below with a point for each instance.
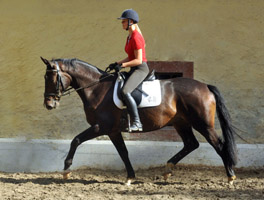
(185, 86)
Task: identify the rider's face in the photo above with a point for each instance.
(124, 23)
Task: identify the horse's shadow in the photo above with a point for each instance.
(254, 173)
(48, 181)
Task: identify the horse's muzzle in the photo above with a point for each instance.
(51, 103)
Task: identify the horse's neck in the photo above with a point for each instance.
(87, 78)
(83, 76)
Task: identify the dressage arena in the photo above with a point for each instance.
(187, 182)
(224, 41)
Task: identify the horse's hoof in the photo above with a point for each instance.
(168, 171)
(166, 176)
(231, 180)
(169, 167)
(66, 175)
(128, 182)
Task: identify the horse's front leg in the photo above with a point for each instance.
(119, 143)
(88, 134)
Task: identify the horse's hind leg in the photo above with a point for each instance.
(190, 144)
(218, 144)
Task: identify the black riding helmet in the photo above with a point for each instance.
(130, 14)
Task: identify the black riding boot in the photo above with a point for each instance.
(133, 112)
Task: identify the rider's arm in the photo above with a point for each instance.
(122, 61)
(135, 62)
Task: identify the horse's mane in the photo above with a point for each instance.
(71, 62)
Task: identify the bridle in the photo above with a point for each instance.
(59, 93)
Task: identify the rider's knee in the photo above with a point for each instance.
(124, 91)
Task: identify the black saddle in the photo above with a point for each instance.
(137, 93)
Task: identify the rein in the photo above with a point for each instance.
(70, 90)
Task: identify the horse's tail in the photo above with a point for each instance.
(229, 145)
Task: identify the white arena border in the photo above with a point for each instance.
(21, 155)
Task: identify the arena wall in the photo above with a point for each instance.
(224, 39)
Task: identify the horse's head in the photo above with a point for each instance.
(56, 81)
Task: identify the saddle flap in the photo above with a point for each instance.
(123, 76)
(147, 94)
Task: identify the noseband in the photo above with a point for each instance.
(58, 93)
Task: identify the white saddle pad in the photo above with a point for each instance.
(153, 97)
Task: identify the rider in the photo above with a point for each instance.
(136, 60)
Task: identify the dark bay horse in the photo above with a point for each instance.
(186, 104)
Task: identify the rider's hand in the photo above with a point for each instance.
(118, 67)
(111, 67)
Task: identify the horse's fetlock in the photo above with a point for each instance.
(169, 167)
(67, 163)
(76, 141)
(96, 128)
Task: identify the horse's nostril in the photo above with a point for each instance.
(49, 107)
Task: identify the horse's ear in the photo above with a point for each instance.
(45, 61)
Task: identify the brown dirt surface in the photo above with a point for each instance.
(187, 182)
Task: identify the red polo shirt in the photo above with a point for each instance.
(136, 42)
